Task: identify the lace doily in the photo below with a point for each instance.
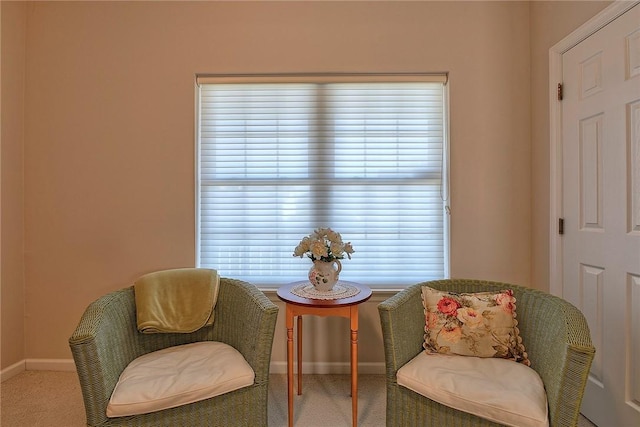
(340, 290)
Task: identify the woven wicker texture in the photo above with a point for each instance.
(106, 340)
(554, 332)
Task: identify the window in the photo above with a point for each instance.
(278, 157)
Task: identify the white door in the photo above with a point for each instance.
(601, 209)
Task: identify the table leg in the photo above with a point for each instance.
(354, 364)
(289, 322)
(299, 355)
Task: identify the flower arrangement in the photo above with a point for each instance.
(323, 244)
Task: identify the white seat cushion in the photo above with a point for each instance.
(177, 376)
(497, 389)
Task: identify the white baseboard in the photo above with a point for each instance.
(328, 368)
(66, 365)
(12, 370)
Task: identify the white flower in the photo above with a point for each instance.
(323, 244)
(348, 249)
(469, 317)
(337, 249)
(319, 249)
(302, 247)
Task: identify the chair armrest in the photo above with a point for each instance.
(246, 319)
(558, 341)
(102, 345)
(402, 321)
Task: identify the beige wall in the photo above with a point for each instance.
(12, 189)
(109, 133)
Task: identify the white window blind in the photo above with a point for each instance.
(277, 160)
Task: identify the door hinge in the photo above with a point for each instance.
(560, 92)
(560, 225)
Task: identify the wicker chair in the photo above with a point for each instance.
(554, 332)
(106, 340)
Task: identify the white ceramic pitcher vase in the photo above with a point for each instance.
(323, 275)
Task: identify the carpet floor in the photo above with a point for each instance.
(54, 399)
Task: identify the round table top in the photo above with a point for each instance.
(285, 294)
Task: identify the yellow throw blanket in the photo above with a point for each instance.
(180, 300)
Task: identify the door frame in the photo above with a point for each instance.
(606, 16)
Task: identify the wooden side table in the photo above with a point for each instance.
(343, 307)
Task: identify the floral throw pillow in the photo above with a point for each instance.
(479, 324)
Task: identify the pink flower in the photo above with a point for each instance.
(506, 301)
(448, 306)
